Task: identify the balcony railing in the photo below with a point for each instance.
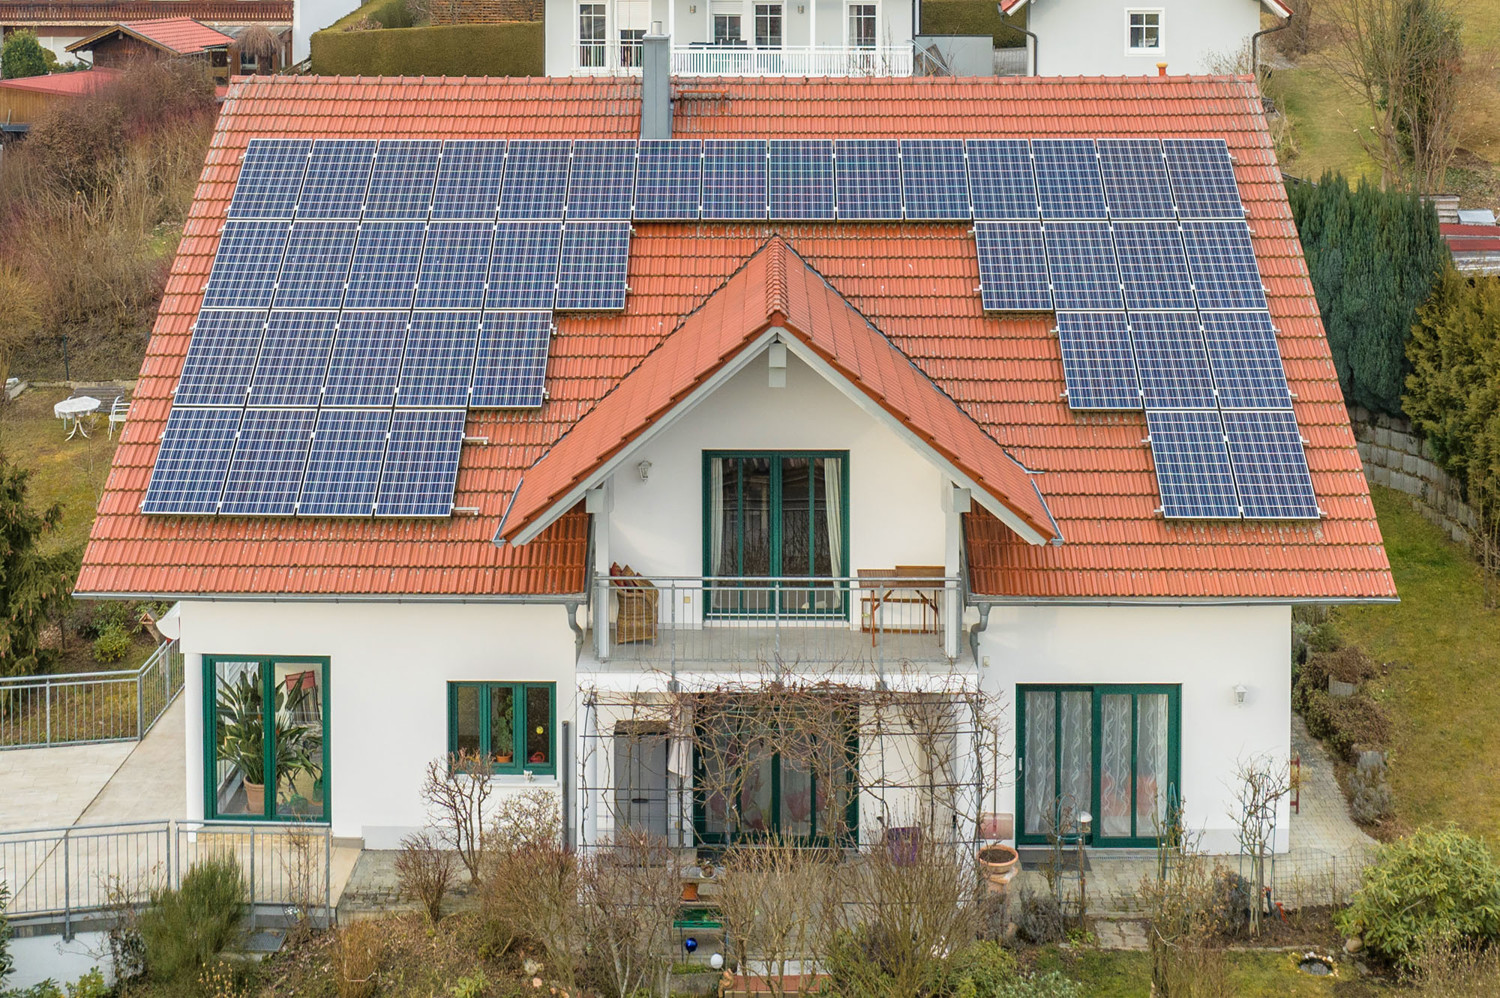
(737, 60)
(89, 706)
(875, 621)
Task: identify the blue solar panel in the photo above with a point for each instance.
(270, 178)
(316, 267)
(868, 179)
(1135, 179)
(1067, 178)
(402, 184)
(1192, 465)
(592, 267)
(1098, 364)
(536, 179)
(338, 177)
(1222, 260)
(246, 265)
(468, 180)
(934, 179)
(801, 179)
(387, 256)
(523, 269)
(511, 372)
(1170, 359)
(1270, 465)
(601, 181)
(270, 459)
(193, 459)
(455, 265)
(366, 360)
(1001, 180)
(734, 179)
(1203, 183)
(1246, 361)
(1153, 267)
(343, 465)
(421, 464)
(438, 365)
(669, 179)
(1081, 256)
(220, 358)
(1012, 267)
(293, 359)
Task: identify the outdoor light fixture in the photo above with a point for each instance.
(1084, 821)
(1239, 695)
(644, 470)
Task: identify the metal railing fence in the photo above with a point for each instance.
(88, 869)
(83, 707)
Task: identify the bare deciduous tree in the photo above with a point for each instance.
(425, 871)
(455, 791)
(1263, 785)
(630, 894)
(778, 904)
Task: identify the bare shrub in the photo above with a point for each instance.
(530, 886)
(630, 894)
(303, 867)
(1263, 785)
(777, 901)
(455, 791)
(425, 872)
(357, 952)
(19, 315)
(1184, 900)
(1464, 972)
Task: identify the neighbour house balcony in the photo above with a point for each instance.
(708, 59)
(879, 621)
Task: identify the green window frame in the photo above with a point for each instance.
(266, 664)
(1140, 835)
(523, 722)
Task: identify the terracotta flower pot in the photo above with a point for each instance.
(999, 865)
(255, 798)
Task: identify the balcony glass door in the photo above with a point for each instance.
(267, 738)
(781, 516)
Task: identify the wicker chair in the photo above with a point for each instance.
(636, 599)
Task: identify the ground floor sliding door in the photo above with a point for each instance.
(1102, 761)
(265, 738)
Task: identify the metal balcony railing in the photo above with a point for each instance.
(874, 620)
(744, 60)
(84, 707)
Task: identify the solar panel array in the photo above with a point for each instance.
(366, 294)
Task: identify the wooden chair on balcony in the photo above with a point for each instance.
(636, 599)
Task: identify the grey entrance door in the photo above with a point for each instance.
(641, 777)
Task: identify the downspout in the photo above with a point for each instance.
(982, 625)
(1255, 45)
(1036, 43)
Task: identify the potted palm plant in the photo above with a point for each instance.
(241, 726)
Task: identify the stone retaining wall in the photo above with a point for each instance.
(1394, 456)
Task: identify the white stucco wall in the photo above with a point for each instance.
(1207, 650)
(1089, 37)
(389, 666)
(895, 493)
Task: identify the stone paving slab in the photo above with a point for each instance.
(50, 787)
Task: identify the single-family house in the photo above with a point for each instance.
(1106, 37)
(122, 45)
(59, 23)
(985, 429)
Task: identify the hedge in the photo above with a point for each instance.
(500, 49)
(970, 17)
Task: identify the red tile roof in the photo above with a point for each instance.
(915, 282)
(776, 288)
(79, 83)
(175, 35)
(1471, 238)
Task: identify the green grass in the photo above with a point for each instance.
(1326, 122)
(70, 472)
(1111, 974)
(1443, 687)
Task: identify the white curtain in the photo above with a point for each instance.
(833, 501)
(716, 516)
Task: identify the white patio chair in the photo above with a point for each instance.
(118, 412)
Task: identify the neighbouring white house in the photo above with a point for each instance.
(1110, 38)
(778, 428)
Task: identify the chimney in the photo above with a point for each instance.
(656, 84)
(1161, 69)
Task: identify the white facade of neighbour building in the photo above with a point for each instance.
(1111, 38)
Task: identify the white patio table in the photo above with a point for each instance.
(72, 412)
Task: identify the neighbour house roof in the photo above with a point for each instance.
(79, 83)
(90, 14)
(173, 35)
(878, 303)
(1475, 248)
(1274, 6)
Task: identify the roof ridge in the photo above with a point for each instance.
(777, 303)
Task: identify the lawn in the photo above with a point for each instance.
(1110, 974)
(1442, 644)
(70, 472)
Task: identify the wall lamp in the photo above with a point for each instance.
(1239, 695)
(644, 470)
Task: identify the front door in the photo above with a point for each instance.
(1109, 753)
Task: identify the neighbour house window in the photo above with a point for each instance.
(1145, 31)
(248, 64)
(265, 738)
(862, 25)
(631, 43)
(768, 25)
(726, 29)
(591, 35)
(511, 724)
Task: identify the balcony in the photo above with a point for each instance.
(743, 60)
(877, 622)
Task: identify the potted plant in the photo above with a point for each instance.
(504, 721)
(998, 863)
(297, 747)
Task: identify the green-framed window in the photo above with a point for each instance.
(265, 738)
(514, 725)
(776, 514)
(1111, 751)
(748, 788)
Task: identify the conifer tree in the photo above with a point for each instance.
(33, 584)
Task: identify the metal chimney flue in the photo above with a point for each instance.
(656, 84)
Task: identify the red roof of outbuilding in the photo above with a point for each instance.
(79, 83)
(175, 35)
(915, 282)
(1471, 238)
